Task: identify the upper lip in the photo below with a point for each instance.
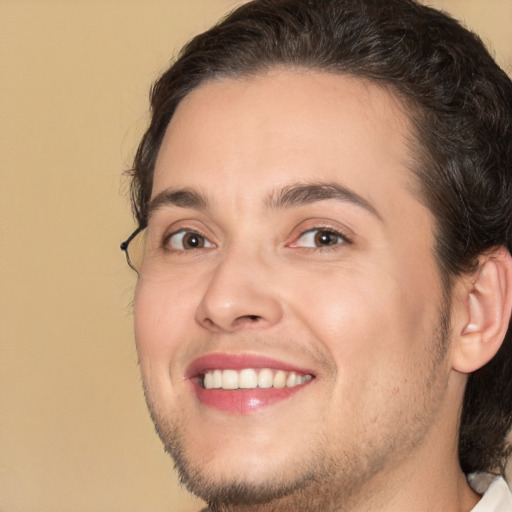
(225, 361)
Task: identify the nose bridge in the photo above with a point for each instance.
(239, 292)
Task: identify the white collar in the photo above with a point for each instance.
(496, 493)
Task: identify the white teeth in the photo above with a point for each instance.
(208, 380)
(265, 378)
(229, 379)
(291, 380)
(217, 379)
(250, 378)
(303, 379)
(280, 379)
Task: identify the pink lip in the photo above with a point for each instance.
(223, 361)
(240, 401)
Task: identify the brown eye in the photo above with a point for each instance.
(192, 241)
(320, 238)
(326, 238)
(187, 240)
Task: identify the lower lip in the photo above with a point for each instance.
(243, 401)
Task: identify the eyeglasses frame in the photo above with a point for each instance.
(124, 246)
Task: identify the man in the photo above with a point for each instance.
(324, 198)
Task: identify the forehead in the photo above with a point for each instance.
(286, 126)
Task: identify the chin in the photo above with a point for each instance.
(244, 479)
(233, 471)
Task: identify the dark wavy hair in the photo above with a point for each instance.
(459, 102)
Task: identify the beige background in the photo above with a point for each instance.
(74, 77)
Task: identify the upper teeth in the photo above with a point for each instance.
(249, 378)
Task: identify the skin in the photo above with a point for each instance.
(364, 315)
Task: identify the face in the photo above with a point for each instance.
(288, 321)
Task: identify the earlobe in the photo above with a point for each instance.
(485, 302)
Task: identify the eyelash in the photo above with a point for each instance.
(342, 239)
(184, 231)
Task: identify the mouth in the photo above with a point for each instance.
(252, 378)
(242, 384)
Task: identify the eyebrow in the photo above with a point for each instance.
(182, 198)
(290, 196)
(305, 193)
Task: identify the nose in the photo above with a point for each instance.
(239, 295)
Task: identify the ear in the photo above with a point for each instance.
(482, 311)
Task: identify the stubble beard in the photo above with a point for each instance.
(327, 481)
(316, 486)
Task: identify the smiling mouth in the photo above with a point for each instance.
(252, 378)
(244, 383)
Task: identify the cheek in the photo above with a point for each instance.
(378, 340)
(349, 312)
(162, 315)
(373, 325)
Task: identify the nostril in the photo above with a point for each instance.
(248, 320)
(208, 323)
(241, 320)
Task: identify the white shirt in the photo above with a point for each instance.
(496, 493)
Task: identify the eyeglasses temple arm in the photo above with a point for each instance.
(124, 245)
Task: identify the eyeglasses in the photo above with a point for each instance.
(134, 248)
